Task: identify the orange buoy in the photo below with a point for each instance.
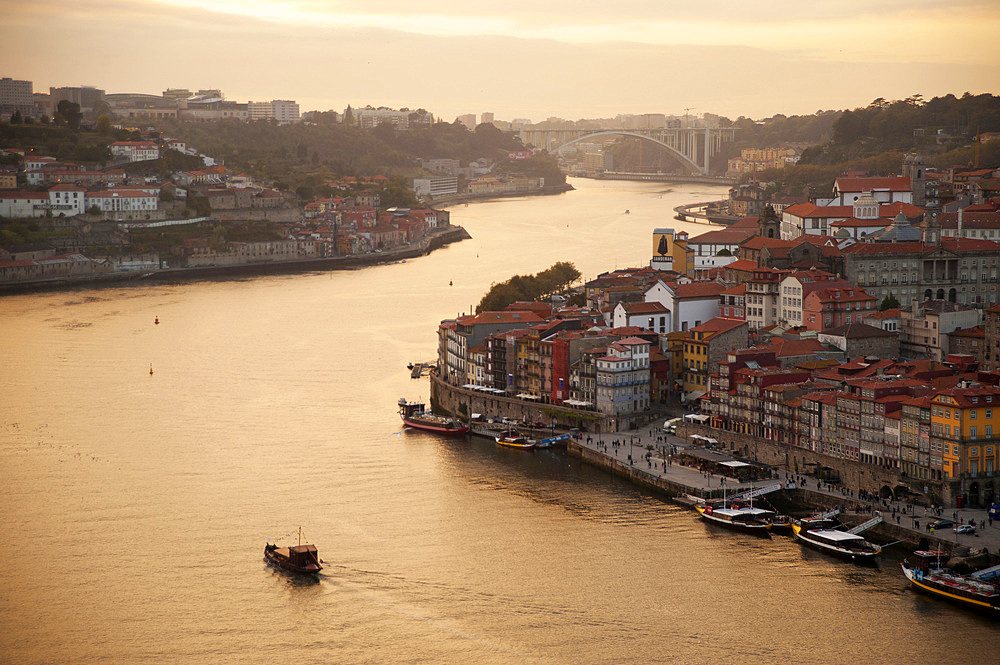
(151, 369)
(156, 321)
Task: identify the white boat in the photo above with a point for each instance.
(839, 543)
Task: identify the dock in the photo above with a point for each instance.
(418, 370)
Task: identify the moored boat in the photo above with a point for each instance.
(415, 415)
(926, 574)
(748, 520)
(300, 559)
(512, 439)
(839, 543)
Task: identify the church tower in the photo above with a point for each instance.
(932, 230)
(915, 169)
(768, 224)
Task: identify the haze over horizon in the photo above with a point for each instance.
(524, 60)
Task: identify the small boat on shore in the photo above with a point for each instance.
(747, 520)
(415, 415)
(838, 543)
(926, 573)
(299, 560)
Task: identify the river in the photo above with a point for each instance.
(135, 506)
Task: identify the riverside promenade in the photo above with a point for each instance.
(645, 457)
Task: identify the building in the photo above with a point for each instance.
(705, 347)
(832, 307)
(966, 420)
(990, 360)
(924, 327)
(58, 201)
(435, 186)
(648, 315)
(962, 270)
(893, 189)
(468, 120)
(284, 111)
(862, 340)
(671, 251)
(860, 218)
(716, 249)
(136, 151)
(795, 287)
(762, 297)
(16, 96)
(622, 379)
(87, 97)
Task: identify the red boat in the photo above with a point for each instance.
(414, 415)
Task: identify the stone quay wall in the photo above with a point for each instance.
(446, 398)
(853, 475)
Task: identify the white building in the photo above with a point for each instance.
(623, 378)
(894, 189)
(61, 200)
(123, 201)
(649, 315)
(435, 186)
(690, 303)
(135, 151)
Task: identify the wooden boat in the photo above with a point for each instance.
(512, 439)
(414, 415)
(300, 559)
(926, 574)
(838, 543)
(748, 520)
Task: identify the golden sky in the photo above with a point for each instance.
(517, 58)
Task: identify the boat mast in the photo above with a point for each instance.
(300, 535)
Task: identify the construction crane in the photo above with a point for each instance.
(686, 109)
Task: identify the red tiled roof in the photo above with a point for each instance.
(699, 290)
(644, 307)
(718, 325)
(893, 184)
(728, 236)
(742, 264)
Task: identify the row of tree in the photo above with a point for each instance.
(529, 287)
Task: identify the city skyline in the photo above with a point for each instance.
(753, 59)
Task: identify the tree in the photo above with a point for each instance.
(17, 118)
(70, 113)
(103, 124)
(348, 116)
(94, 210)
(889, 302)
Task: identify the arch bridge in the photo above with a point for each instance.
(693, 146)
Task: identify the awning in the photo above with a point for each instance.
(734, 464)
(696, 417)
(697, 394)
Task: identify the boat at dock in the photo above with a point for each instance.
(415, 415)
(299, 560)
(747, 520)
(843, 544)
(926, 573)
(513, 439)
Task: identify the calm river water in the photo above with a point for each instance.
(135, 508)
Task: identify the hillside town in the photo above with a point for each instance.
(853, 336)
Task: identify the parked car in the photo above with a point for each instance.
(942, 524)
(965, 528)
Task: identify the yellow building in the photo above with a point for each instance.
(671, 251)
(704, 347)
(966, 420)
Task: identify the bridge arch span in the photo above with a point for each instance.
(680, 155)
